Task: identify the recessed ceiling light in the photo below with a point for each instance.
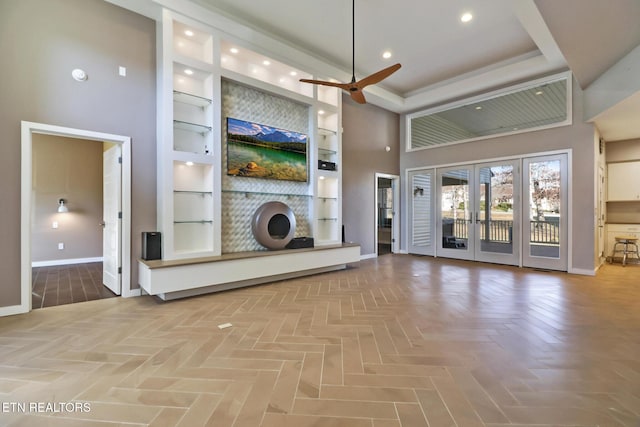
(466, 17)
(478, 108)
(386, 54)
(321, 112)
(233, 50)
(321, 177)
(188, 33)
(539, 92)
(282, 80)
(266, 62)
(188, 72)
(293, 73)
(189, 163)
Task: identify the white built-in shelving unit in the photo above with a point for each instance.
(189, 140)
(328, 191)
(194, 58)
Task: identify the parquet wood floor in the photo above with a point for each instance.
(396, 341)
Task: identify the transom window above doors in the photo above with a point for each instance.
(535, 105)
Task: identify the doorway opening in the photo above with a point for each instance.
(387, 199)
(116, 214)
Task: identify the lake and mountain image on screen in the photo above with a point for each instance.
(260, 151)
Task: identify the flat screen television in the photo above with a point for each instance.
(260, 151)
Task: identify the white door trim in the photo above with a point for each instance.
(27, 130)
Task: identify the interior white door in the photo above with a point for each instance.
(544, 230)
(421, 213)
(112, 222)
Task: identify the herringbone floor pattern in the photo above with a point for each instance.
(395, 341)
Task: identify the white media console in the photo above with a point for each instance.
(188, 277)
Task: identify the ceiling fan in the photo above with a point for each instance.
(354, 88)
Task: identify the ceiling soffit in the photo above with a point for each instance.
(426, 37)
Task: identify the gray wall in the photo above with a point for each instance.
(579, 137)
(40, 43)
(71, 169)
(367, 130)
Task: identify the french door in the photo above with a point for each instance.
(506, 212)
(545, 233)
(497, 212)
(455, 229)
(478, 212)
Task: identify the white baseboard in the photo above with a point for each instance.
(582, 271)
(13, 309)
(65, 262)
(368, 256)
(131, 293)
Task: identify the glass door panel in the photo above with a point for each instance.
(497, 212)
(421, 240)
(455, 212)
(545, 231)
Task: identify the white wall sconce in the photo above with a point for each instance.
(62, 206)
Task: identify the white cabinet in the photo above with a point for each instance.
(623, 181)
(613, 230)
(188, 149)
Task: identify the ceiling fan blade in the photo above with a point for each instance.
(379, 76)
(358, 96)
(355, 87)
(343, 86)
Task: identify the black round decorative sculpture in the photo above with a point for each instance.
(273, 225)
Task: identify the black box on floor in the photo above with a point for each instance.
(151, 245)
(300, 242)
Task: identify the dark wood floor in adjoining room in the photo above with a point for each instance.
(395, 341)
(67, 284)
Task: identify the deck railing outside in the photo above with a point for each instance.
(546, 232)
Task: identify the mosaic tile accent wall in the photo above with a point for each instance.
(241, 196)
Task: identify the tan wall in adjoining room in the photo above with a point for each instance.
(70, 169)
(367, 131)
(41, 42)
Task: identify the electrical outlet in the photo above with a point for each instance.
(55, 224)
(60, 246)
(122, 71)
